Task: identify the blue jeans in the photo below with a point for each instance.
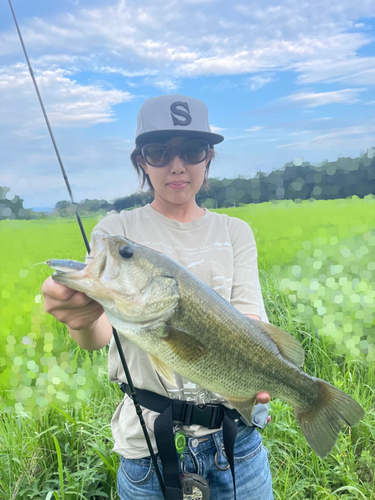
(137, 480)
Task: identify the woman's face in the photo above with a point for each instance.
(178, 182)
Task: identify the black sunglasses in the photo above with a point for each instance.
(160, 154)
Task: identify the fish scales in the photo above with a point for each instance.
(248, 349)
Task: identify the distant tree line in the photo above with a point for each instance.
(295, 181)
(86, 207)
(89, 207)
(11, 206)
(331, 180)
(138, 199)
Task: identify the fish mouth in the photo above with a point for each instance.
(68, 273)
(74, 268)
(93, 276)
(125, 284)
(93, 268)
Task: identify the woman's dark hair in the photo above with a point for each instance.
(145, 179)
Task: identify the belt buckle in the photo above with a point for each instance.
(208, 415)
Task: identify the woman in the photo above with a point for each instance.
(174, 149)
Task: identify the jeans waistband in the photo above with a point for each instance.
(207, 441)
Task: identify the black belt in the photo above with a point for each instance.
(211, 416)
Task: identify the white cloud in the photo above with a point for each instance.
(118, 30)
(322, 119)
(303, 132)
(165, 84)
(349, 69)
(242, 55)
(28, 162)
(253, 129)
(312, 100)
(217, 130)
(238, 137)
(67, 102)
(222, 86)
(196, 2)
(258, 81)
(340, 139)
(69, 61)
(315, 39)
(127, 73)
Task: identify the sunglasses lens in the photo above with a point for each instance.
(194, 151)
(157, 155)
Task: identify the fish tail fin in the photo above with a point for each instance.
(322, 423)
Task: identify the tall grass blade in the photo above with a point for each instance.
(61, 472)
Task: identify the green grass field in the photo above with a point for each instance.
(317, 267)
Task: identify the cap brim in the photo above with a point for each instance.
(159, 135)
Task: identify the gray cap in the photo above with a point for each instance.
(168, 115)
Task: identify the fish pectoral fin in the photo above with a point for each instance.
(289, 347)
(245, 407)
(162, 368)
(186, 347)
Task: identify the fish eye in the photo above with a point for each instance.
(126, 252)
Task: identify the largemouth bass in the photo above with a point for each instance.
(189, 329)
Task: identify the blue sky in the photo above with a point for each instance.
(282, 81)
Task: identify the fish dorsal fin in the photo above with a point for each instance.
(289, 347)
(245, 407)
(162, 368)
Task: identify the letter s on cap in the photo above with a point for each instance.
(180, 112)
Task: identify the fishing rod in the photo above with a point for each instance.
(79, 220)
